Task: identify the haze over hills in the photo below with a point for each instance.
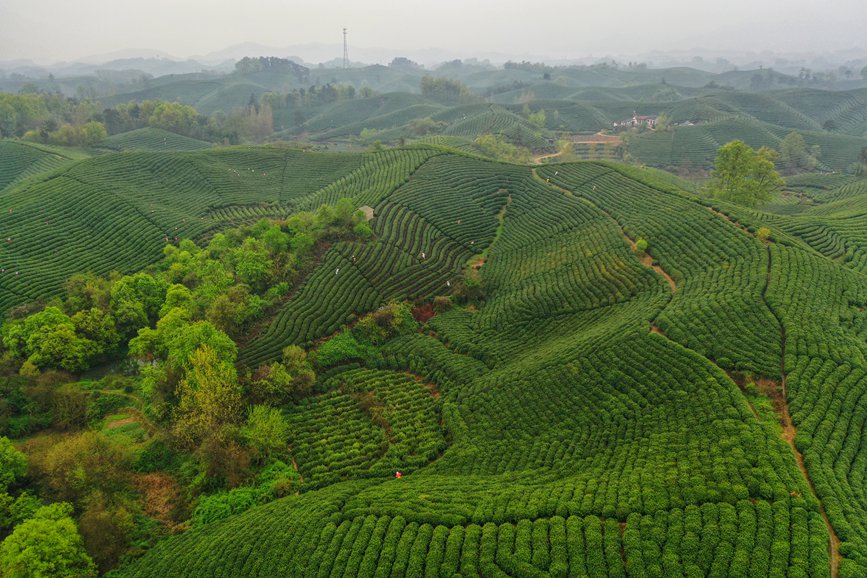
(158, 62)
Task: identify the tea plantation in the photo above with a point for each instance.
(695, 409)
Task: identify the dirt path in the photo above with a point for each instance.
(779, 396)
(538, 160)
(295, 467)
(731, 221)
(776, 392)
(547, 182)
(647, 261)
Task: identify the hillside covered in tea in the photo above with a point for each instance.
(577, 369)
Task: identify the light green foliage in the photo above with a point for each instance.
(276, 480)
(641, 245)
(13, 464)
(424, 126)
(82, 464)
(46, 546)
(285, 380)
(266, 431)
(362, 230)
(178, 296)
(182, 343)
(566, 150)
(143, 289)
(446, 89)
(745, 176)
(253, 267)
(343, 347)
(499, 148)
(16, 509)
(174, 117)
(209, 394)
(538, 118)
(663, 122)
(98, 326)
(49, 339)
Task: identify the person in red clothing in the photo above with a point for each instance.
(397, 474)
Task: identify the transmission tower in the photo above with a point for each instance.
(345, 51)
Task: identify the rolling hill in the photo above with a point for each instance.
(694, 412)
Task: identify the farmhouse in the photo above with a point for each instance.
(636, 121)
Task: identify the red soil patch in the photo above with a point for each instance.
(597, 139)
(423, 312)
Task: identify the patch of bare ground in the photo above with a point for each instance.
(160, 495)
(598, 138)
(121, 422)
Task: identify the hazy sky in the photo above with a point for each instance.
(50, 30)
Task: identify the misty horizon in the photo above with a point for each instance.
(553, 30)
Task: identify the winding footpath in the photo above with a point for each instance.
(777, 392)
(780, 397)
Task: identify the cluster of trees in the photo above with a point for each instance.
(446, 90)
(313, 96)
(249, 65)
(55, 119)
(796, 156)
(744, 175)
(228, 284)
(171, 116)
(425, 126)
(498, 147)
(39, 114)
(179, 318)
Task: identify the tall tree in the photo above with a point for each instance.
(210, 396)
(743, 175)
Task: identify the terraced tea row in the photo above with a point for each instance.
(116, 212)
(721, 272)
(417, 254)
(370, 424)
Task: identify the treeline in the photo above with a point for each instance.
(249, 65)
(40, 113)
(55, 119)
(447, 90)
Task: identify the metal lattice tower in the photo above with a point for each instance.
(345, 51)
